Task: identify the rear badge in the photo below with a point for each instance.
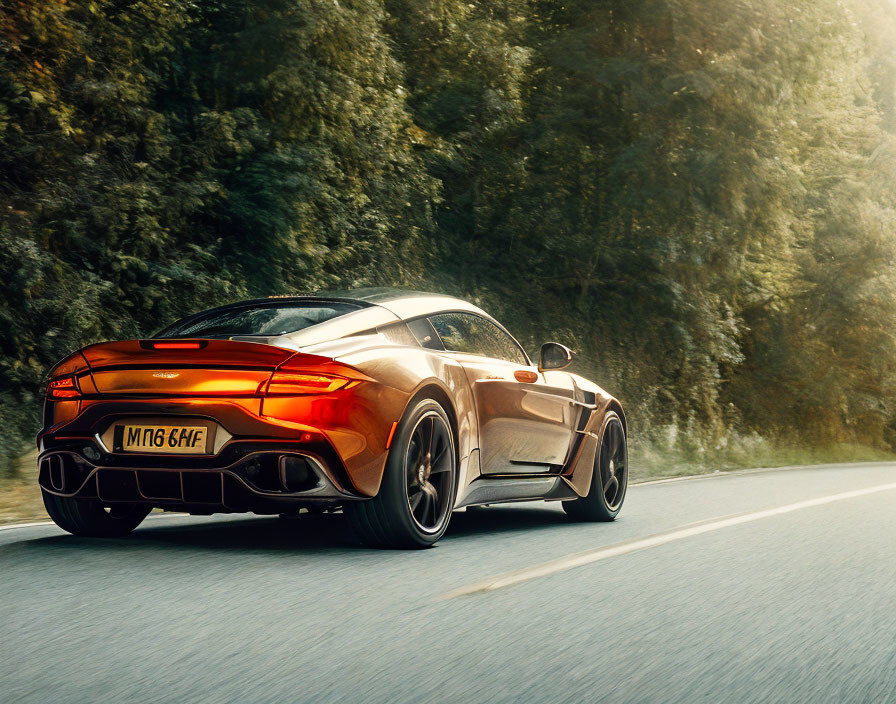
(165, 375)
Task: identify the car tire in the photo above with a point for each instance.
(89, 518)
(609, 480)
(416, 496)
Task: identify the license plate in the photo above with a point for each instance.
(188, 440)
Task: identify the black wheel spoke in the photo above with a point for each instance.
(606, 451)
(431, 491)
(612, 484)
(428, 507)
(438, 462)
(414, 454)
(427, 443)
(415, 499)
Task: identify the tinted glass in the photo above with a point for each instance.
(554, 356)
(425, 334)
(462, 332)
(259, 320)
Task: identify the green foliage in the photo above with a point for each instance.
(700, 200)
(697, 195)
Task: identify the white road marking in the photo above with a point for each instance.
(26, 525)
(167, 514)
(510, 579)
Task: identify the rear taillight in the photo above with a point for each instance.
(293, 383)
(63, 388)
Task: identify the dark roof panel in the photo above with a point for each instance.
(375, 295)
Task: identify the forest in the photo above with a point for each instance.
(698, 196)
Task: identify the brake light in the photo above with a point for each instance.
(290, 384)
(176, 345)
(63, 388)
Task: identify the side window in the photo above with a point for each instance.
(427, 338)
(463, 332)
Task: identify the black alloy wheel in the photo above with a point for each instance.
(90, 518)
(613, 465)
(419, 485)
(429, 466)
(610, 478)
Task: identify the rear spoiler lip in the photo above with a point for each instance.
(174, 365)
(148, 342)
(69, 358)
(292, 360)
(142, 353)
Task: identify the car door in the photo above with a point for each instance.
(526, 418)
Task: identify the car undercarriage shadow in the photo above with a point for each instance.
(320, 534)
(504, 519)
(327, 533)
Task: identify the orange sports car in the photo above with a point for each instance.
(396, 407)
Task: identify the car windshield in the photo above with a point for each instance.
(278, 319)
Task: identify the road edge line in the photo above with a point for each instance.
(166, 514)
(718, 474)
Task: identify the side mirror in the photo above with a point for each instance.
(554, 356)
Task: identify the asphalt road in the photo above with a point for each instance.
(769, 586)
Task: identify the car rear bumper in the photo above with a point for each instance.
(254, 476)
(341, 441)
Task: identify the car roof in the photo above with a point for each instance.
(403, 303)
(376, 307)
(372, 294)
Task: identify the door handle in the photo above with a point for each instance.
(525, 376)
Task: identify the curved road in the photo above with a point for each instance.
(765, 586)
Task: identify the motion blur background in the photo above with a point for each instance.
(695, 195)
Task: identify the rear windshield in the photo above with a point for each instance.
(258, 320)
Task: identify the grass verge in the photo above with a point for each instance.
(651, 463)
(20, 500)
